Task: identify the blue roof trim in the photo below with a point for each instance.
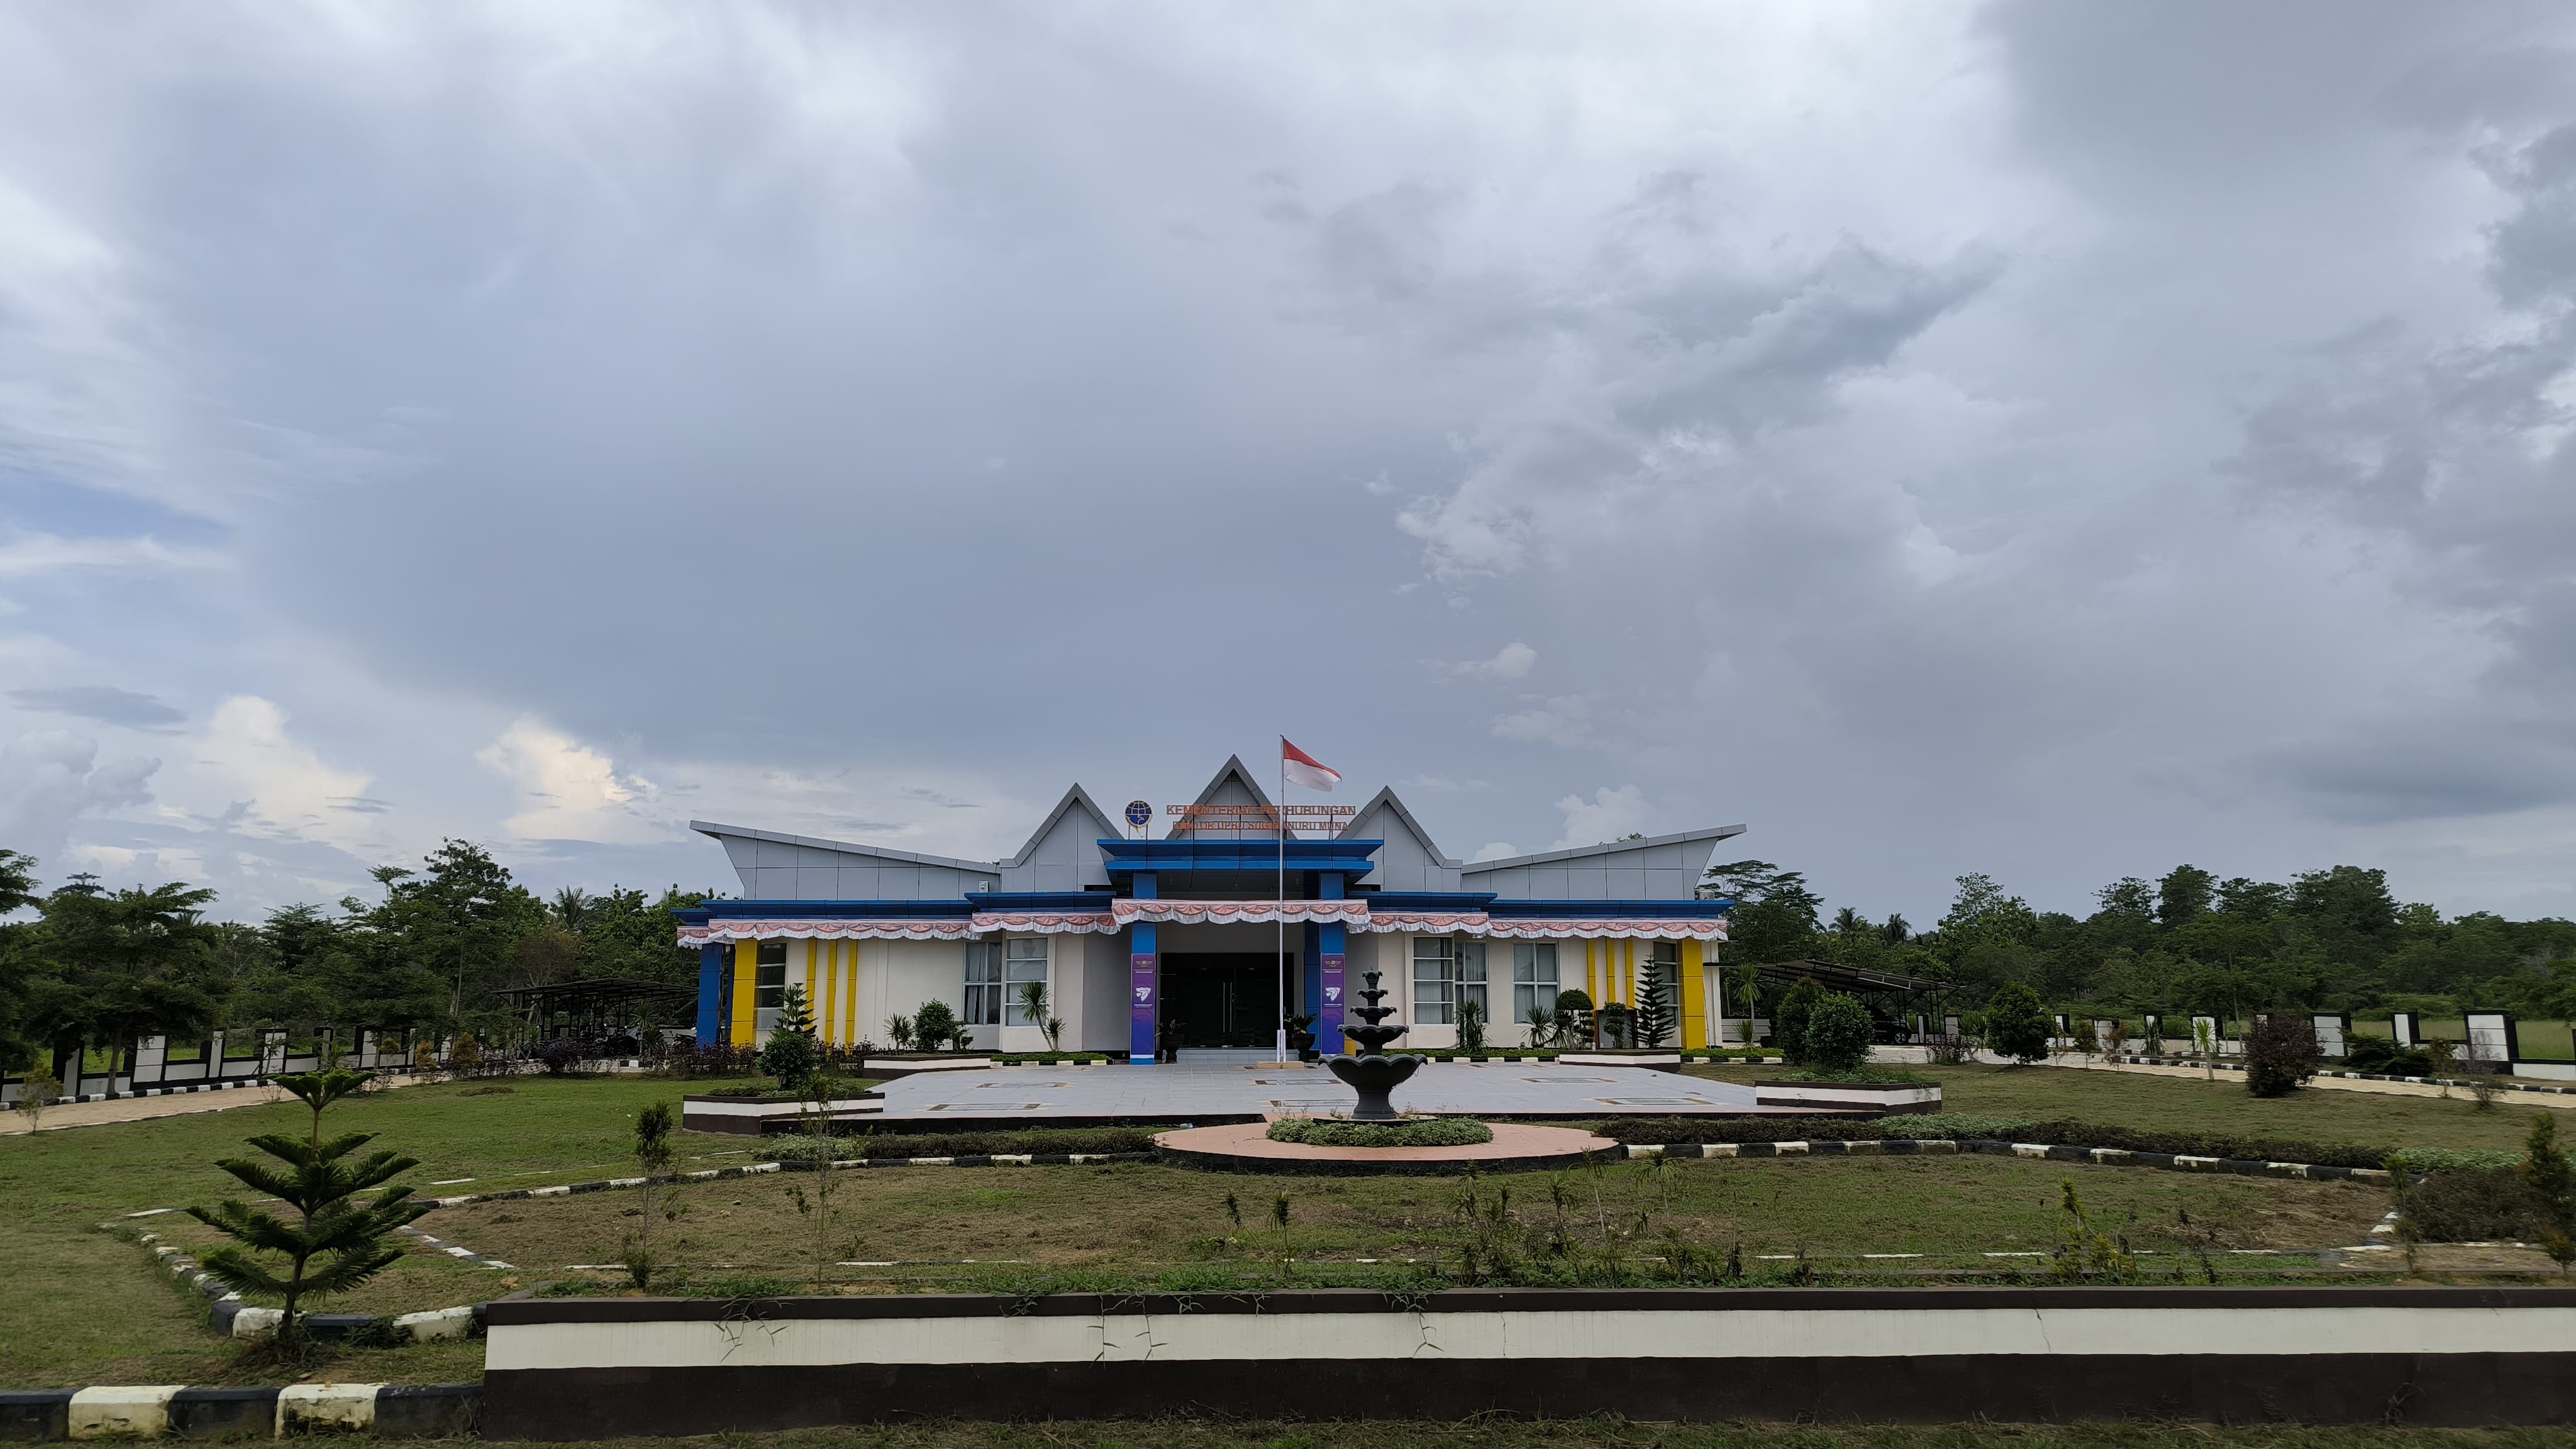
(1428, 900)
(1174, 857)
(1681, 910)
(830, 910)
(1040, 900)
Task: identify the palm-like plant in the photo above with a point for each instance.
(320, 1182)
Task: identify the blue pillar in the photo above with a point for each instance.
(1328, 971)
(711, 966)
(1144, 984)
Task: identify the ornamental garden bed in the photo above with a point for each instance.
(1866, 1089)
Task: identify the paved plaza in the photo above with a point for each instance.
(1178, 1092)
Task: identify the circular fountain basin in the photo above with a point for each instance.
(1517, 1147)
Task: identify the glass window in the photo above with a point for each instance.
(1024, 959)
(1434, 963)
(983, 983)
(1534, 985)
(1471, 977)
(770, 979)
(1666, 963)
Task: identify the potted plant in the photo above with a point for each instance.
(1301, 1037)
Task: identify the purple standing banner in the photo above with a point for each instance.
(1141, 989)
(1328, 1030)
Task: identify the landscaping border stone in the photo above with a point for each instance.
(152, 1411)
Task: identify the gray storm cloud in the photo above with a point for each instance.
(2050, 440)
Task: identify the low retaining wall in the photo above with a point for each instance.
(427, 1411)
(597, 1368)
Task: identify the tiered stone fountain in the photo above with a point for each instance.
(1372, 1073)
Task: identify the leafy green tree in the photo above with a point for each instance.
(1775, 913)
(1837, 1034)
(321, 1183)
(456, 922)
(2183, 896)
(1789, 1023)
(935, 1025)
(2016, 1026)
(17, 892)
(790, 1055)
(110, 968)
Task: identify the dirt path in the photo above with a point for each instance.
(144, 1109)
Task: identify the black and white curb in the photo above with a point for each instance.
(152, 1411)
(2351, 1076)
(754, 1169)
(2098, 1156)
(232, 1318)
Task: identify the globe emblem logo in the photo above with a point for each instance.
(1138, 813)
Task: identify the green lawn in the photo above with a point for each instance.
(78, 1305)
(2174, 1104)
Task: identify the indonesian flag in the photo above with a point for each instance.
(1305, 769)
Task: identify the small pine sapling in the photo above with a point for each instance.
(653, 1157)
(1654, 1016)
(321, 1184)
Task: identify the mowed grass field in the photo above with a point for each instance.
(79, 1305)
(2179, 1104)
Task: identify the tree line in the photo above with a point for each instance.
(433, 949)
(2325, 940)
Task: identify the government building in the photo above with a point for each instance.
(1149, 945)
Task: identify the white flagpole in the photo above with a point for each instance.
(1281, 1049)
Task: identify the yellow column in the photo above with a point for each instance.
(827, 1013)
(850, 1011)
(746, 987)
(1694, 999)
(1592, 974)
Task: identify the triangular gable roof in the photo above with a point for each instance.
(1077, 797)
(1238, 777)
(1394, 804)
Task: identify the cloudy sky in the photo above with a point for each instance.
(2054, 440)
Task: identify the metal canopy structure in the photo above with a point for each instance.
(1837, 977)
(597, 1005)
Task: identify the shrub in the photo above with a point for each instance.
(1573, 1017)
(559, 1055)
(1617, 1025)
(1789, 1025)
(1837, 1035)
(1471, 1026)
(2380, 1056)
(1427, 1132)
(790, 1057)
(2015, 1026)
(2552, 1180)
(935, 1027)
(2281, 1054)
(2469, 1207)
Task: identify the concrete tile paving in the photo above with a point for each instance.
(1178, 1091)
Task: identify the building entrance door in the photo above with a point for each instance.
(1223, 1000)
